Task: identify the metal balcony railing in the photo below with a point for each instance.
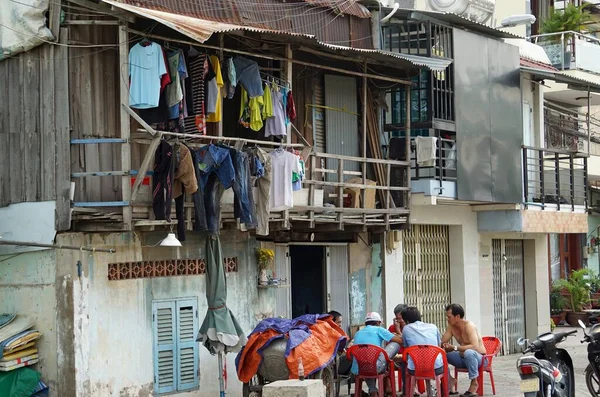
(554, 177)
(571, 50)
(565, 129)
(444, 165)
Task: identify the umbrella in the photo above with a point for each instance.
(220, 331)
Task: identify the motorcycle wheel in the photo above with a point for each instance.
(592, 382)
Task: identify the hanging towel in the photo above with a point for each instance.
(426, 146)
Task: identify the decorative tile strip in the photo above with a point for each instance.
(164, 268)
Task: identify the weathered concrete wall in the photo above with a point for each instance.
(365, 282)
(27, 287)
(113, 319)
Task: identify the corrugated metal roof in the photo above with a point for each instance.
(574, 83)
(201, 30)
(451, 19)
(530, 51)
(329, 20)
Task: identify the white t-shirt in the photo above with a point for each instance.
(146, 66)
(283, 163)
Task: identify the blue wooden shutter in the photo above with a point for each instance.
(165, 340)
(187, 347)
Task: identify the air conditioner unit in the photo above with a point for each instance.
(476, 10)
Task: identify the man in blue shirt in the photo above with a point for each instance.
(374, 334)
(416, 332)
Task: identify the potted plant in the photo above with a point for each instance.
(578, 287)
(570, 19)
(557, 305)
(265, 259)
(594, 281)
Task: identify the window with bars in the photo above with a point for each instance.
(419, 101)
(175, 326)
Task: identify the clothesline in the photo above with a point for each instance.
(223, 138)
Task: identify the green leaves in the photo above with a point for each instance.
(578, 287)
(571, 18)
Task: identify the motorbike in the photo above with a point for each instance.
(546, 370)
(592, 372)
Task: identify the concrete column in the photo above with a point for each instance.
(464, 269)
(486, 277)
(537, 289)
(393, 277)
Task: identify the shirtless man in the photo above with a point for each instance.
(470, 350)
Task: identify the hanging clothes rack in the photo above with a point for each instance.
(267, 78)
(162, 134)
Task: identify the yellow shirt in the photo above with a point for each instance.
(268, 103)
(218, 114)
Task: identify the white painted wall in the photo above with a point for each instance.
(464, 252)
(113, 319)
(30, 222)
(506, 8)
(393, 276)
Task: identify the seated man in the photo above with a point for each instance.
(343, 363)
(396, 327)
(337, 318)
(374, 334)
(470, 350)
(416, 332)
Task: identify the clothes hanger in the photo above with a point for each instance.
(193, 52)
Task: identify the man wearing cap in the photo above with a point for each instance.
(374, 334)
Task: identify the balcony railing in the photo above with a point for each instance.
(444, 164)
(571, 50)
(565, 129)
(554, 177)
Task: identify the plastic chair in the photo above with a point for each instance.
(492, 348)
(423, 357)
(366, 357)
(420, 383)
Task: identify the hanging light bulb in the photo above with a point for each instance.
(170, 241)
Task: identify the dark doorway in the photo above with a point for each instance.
(307, 279)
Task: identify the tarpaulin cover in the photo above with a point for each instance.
(22, 382)
(313, 337)
(23, 26)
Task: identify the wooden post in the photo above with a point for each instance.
(388, 194)
(221, 58)
(125, 125)
(311, 191)
(407, 127)
(340, 194)
(144, 167)
(363, 194)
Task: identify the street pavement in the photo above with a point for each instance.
(507, 379)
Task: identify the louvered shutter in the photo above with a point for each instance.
(187, 347)
(164, 316)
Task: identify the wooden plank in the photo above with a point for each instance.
(144, 167)
(129, 111)
(357, 185)
(5, 131)
(101, 204)
(360, 159)
(16, 140)
(126, 192)
(88, 141)
(63, 155)
(54, 18)
(47, 124)
(104, 9)
(90, 22)
(31, 133)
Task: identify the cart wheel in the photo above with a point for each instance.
(326, 374)
(253, 388)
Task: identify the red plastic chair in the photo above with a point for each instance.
(366, 357)
(420, 383)
(492, 348)
(423, 357)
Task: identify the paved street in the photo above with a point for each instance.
(507, 378)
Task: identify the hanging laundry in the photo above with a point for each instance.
(426, 148)
(231, 78)
(166, 78)
(174, 92)
(283, 164)
(250, 111)
(290, 107)
(297, 177)
(146, 68)
(198, 70)
(184, 182)
(217, 115)
(162, 181)
(275, 126)
(262, 179)
(267, 110)
(248, 76)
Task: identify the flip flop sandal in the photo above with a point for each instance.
(468, 394)
(454, 393)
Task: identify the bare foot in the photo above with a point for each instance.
(474, 386)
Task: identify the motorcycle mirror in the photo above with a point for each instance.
(521, 341)
(581, 324)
